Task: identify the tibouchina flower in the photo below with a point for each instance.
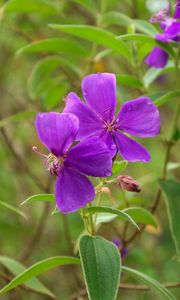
(70, 164)
(158, 58)
(138, 117)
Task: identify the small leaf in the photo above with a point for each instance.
(171, 190)
(113, 211)
(26, 6)
(55, 45)
(118, 167)
(101, 265)
(140, 215)
(169, 96)
(151, 283)
(129, 80)
(37, 269)
(40, 197)
(137, 37)
(96, 35)
(21, 116)
(13, 209)
(15, 268)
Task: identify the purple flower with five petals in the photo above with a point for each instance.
(70, 164)
(158, 58)
(138, 117)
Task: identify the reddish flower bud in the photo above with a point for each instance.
(128, 183)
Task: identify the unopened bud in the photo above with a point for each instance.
(128, 183)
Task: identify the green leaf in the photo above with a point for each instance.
(171, 190)
(37, 269)
(151, 283)
(150, 76)
(137, 37)
(96, 35)
(55, 45)
(13, 209)
(116, 18)
(141, 215)
(113, 211)
(170, 96)
(40, 197)
(26, 6)
(16, 268)
(101, 265)
(118, 167)
(129, 80)
(88, 4)
(21, 116)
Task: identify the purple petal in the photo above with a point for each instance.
(57, 131)
(99, 91)
(109, 140)
(91, 157)
(73, 190)
(177, 10)
(157, 58)
(89, 122)
(130, 150)
(170, 33)
(139, 117)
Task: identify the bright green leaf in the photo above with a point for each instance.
(129, 80)
(37, 269)
(101, 265)
(13, 209)
(21, 116)
(26, 6)
(88, 4)
(96, 35)
(169, 96)
(151, 283)
(16, 268)
(171, 190)
(40, 197)
(118, 167)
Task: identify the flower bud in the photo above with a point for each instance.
(128, 183)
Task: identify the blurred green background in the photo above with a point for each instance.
(38, 80)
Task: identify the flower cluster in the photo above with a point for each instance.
(158, 58)
(85, 138)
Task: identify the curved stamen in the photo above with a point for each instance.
(35, 149)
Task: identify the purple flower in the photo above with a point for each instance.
(138, 117)
(70, 164)
(158, 58)
(118, 243)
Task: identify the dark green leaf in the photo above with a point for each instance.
(151, 283)
(140, 215)
(54, 45)
(113, 211)
(171, 190)
(37, 269)
(88, 4)
(101, 267)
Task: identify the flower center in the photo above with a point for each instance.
(112, 126)
(53, 163)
